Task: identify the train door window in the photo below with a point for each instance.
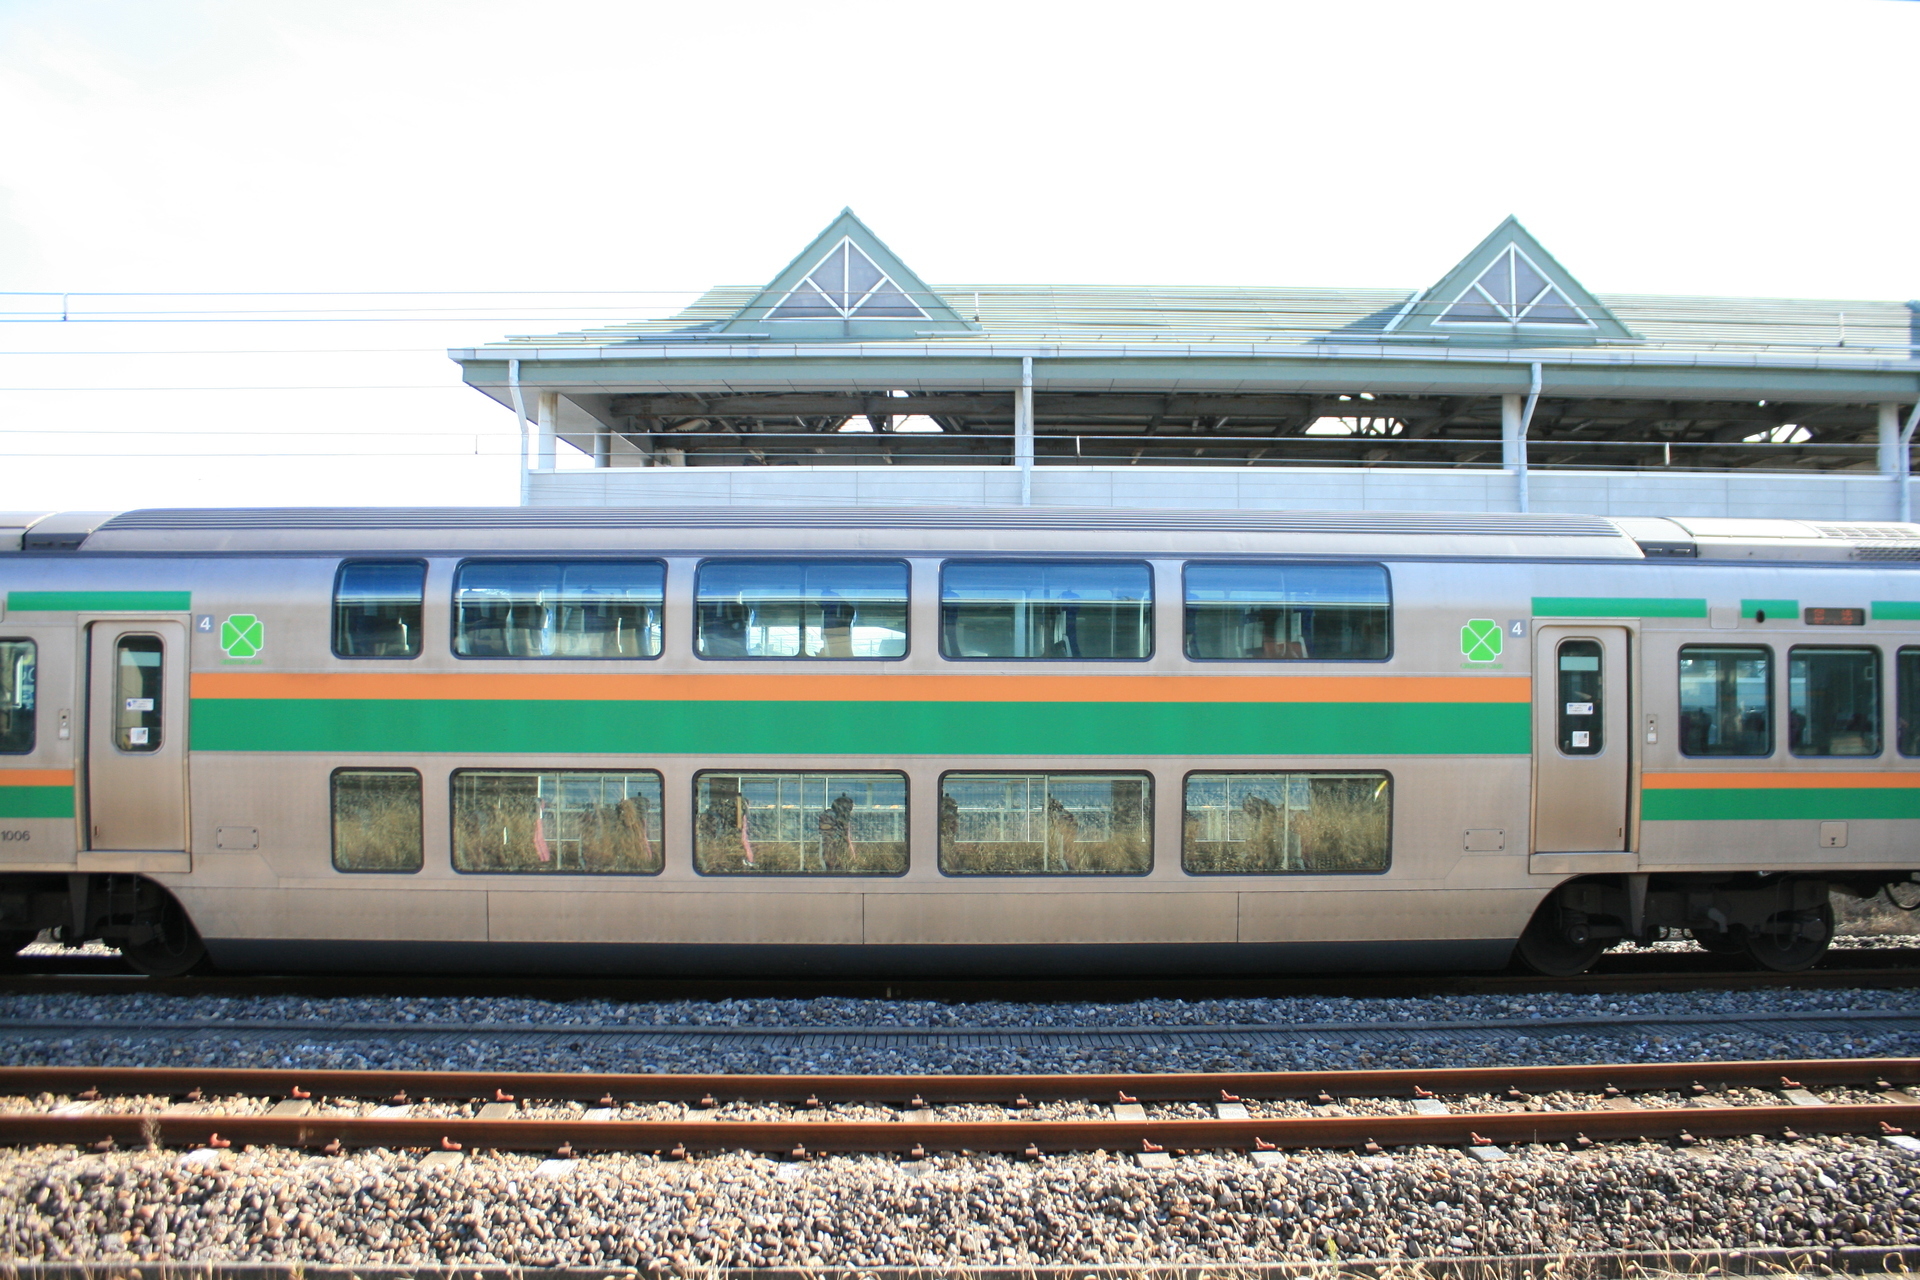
(137, 699)
(1580, 703)
(558, 609)
(1286, 823)
(1907, 730)
(1303, 612)
(376, 820)
(16, 697)
(801, 609)
(540, 822)
(848, 824)
(1046, 610)
(376, 608)
(1726, 700)
(1046, 824)
(1833, 702)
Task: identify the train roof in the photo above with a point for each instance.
(322, 530)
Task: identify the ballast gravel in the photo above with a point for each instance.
(380, 1208)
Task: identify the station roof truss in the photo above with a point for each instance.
(847, 356)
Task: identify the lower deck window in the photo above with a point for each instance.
(1287, 823)
(575, 822)
(376, 820)
(800, 824)
(1038, 824)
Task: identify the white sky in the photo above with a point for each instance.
(1743, 148)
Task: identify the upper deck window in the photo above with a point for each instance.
(558, 609)
(1058, 610)
(1289, 612)
(802, 609)
(376, 608)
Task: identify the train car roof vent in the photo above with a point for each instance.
(63, 530)
(1886, 550)
(1675, 550)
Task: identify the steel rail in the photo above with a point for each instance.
(1199, 1086)
(916, 1138)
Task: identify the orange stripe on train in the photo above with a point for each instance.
(850, 687)
(1762, 781)
(36, 777)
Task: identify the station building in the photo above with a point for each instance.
(1507, 385)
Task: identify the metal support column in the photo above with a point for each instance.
(1023, 431)
(1516, 415)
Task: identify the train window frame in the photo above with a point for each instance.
(1150, 820)
(1387, 775)
(906, 793)
(333, 821)
(29, 706)
(906, 567)
(453, 615)
(333, 601)
(1152, 602)
(1901, 686)
(146, 735)
(453, 825)
(1773, 712)
(1879, 697)
(1204, 562)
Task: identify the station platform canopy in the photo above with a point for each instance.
(1506, 384)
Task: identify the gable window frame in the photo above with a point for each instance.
(1475, 293)
(851, 308)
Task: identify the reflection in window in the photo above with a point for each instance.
(137, 706)
(1907, 740)
(1512, 290)
(1279, 823)
(1024, 609)
(376, 820)
(801, 824)
(1833, 702)
(1046, 824)
(526, 820)
(1325, 612)
(802, 609)
(847, 284)
(1581, 705)
(16, 696)
(558, 609)
(1726, 701)
(376, 609)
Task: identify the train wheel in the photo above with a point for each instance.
(1792, 952)
(1721, 944)
(1551, 950)
(175, 947)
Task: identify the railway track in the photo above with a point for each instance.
(680, 1116)
(93, 974)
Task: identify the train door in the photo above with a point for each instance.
(1581, 748)
(137, 734)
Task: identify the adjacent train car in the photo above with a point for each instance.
(947, 741)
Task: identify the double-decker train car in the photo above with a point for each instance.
(947, 741)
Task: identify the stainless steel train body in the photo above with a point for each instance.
(1560, 731)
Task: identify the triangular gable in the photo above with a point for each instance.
(1509, 289)
(847, 284)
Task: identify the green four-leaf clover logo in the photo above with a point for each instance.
(243, 636)
(1480, 640)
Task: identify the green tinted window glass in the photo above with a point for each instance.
(801, 609)
(376, 820)
(1908, 731)
(1060, 611)
(376, 608)
(1726, 701)
(556, 823)
(16, 696)
(1581, 702)
(137, 703)
(1286, 823)
(1304, 612)
(1833, 702)
(555, 609)
(848, 824)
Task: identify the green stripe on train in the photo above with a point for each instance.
(100, 601)
(36, 802)
(1617, 607)
(862, 728)
(1896, 611)
(1816, 804)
